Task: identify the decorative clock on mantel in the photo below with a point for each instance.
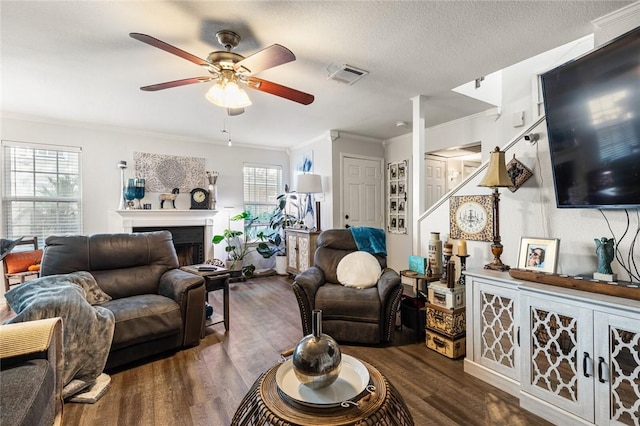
(471, 217)
(199, 199)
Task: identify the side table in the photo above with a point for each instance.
(412, 307)
(263, 406)
(214, 280)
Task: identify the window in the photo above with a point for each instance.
(262, 185)
(42, 190)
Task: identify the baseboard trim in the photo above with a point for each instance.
(549, 412)
(504, 383)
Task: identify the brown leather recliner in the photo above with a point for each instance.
(348, 314)
(157, 307)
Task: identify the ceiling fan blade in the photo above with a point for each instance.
(234, 111)
(266, 58)
(279, 90)
(169, 48)
(176, 83)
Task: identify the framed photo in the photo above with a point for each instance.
(401, 170)
(539, 254)
(393, 171)
(397, 173)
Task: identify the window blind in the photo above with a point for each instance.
(41, 195)
(262, 184)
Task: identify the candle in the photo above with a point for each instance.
(448, 249)
(462, 247)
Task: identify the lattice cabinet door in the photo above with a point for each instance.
(557, 353)
(301, 247)
(496, 337)
(292, 251)
(617, 375)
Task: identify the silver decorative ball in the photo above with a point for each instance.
(317, 358)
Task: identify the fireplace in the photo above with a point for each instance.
(192, 230)
(188, 241)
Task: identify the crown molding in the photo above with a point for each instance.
(129, 131)
(616, 16)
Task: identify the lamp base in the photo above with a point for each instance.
(317, 216)
(497, 266)
(496, 250)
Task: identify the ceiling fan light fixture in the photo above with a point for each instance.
(215, 94)
(228, 95)
(235, 97)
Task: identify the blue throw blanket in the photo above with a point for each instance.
(372, 240)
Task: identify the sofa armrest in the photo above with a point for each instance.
(189, 292)
(175, 283)
(311, 280)
(34, 337)
(305, 287)
(390, 291)
(388, 281)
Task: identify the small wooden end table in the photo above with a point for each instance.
(217, 279)
(263, 406)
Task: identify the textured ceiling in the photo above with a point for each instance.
(75, 61)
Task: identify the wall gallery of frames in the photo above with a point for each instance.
(397, 195)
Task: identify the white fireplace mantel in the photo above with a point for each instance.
(126, 220)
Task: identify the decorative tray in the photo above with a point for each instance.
(352, 381)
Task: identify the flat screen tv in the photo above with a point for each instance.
(592, 107)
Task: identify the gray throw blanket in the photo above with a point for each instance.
(88, 330)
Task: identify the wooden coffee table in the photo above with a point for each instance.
(264, 406)
(214, 280)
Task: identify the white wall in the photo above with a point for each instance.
(399, 245)
(103, 148)
(322, 165)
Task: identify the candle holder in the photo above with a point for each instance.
(463, 267)
(122, 165)
(443, 279)
(212, 177)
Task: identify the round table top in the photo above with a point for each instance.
(263, 405)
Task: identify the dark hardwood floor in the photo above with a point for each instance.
(204, 385)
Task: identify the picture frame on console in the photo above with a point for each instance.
(539, 254)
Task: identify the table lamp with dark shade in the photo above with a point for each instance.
(496, 177)
(310, 183)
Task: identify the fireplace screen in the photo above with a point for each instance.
(188, 241)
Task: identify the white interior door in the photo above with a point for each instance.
(362, 185)
(435, 180)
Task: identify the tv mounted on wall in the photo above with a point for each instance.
(592, 107)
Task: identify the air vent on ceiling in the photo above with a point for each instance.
(347, 74)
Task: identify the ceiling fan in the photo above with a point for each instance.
(227, 69)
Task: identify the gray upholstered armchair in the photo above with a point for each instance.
(348, 314)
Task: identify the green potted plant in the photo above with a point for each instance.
(237, 248)
(274, 242)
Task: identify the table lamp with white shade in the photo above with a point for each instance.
(310, 184)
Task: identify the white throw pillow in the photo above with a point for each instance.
(359, 269)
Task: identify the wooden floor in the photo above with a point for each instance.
(204, 385)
